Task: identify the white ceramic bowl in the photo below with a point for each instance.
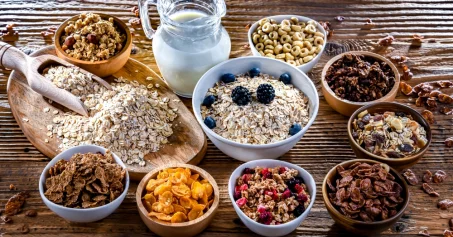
(248, 152)
(272, 230)
(279, 18)
(81, 215)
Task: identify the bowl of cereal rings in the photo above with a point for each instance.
(296, 40)
(177, 200)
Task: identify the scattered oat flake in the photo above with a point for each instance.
(149, 86)
(46, 140)
(149, 78)
(55, 112)
(424, 232)
(157, 85)
(339, 18)
(25, 119)
(46, 110)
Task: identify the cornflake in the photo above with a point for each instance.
(130, 120)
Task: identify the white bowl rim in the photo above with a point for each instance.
(304, 18)
(312, 197)
(197, 110)
(80, 210)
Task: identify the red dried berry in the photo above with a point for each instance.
(237, 193)
(265, 218)
(241, 202)
(302, 197)
(261, 209)
(246, 178)
(286, 194)
(298, 188)
(244, 187)
(282, 170)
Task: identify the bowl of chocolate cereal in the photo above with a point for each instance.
(390, 133)
(353, 79)
(85, 183)
(96, 42)
(296, 40)
(255, 107)
(365, 197)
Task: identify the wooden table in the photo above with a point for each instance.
(324, 145)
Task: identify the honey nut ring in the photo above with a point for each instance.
(286, 39)
(267, 28)
(318, 41)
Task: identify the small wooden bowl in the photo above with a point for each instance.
(361, 227)
(381, 107)
(100, 68)
(189, 228)
(347, 107)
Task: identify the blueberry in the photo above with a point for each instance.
(254, 72)
(299, 180)
(228, 77)
(208, 100)
(285, 78)
(299, 210)
(249, 171)
(291, 183)
(210, 122)
(295, 128)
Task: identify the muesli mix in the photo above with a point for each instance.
(255, 108)
(360, 78)
(394, 135)
(85, 181)
(291, 40)
(91, 38)
(178, 195)
(271, 196)
(130, 119)
(365, 192)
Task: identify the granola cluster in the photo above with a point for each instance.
(92, 38)
(394, 135)
(241, 113)
(360, 78)
(365, 192)
(271, 196)
(130, 119)
(85, 181)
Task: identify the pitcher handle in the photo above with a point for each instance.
(144, 18)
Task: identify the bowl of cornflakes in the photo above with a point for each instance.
(177, 200)
(84, 184)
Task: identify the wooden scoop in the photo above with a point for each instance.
(13, 58)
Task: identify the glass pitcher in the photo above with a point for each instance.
(189, 41)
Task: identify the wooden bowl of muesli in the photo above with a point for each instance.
(387, 143)
(358, 88)
(99, 54)
(381, 214)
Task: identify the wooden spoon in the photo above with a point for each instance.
(32, 67)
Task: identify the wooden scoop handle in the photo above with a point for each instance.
(13, 58)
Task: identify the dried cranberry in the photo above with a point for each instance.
(265, 218)
(302, 197)
(299, 210)
(249, 171)
(261, 208)
(244, 187)
(241, 202)
(268, 175)
(286, 194)
(237, 193)
(298, 188)
(282, 170)
(246, 178)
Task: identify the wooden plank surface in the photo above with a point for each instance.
(21, 164)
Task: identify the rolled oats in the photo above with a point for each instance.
(271, 196)
(130, 120)
(391, 134)
(256, 123)
(92, 38)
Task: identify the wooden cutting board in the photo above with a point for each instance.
(187, 144)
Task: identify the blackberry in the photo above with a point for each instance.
(295, 128)
(210, 122)
(285, 78)
(208, 100)
(291, 183)
(227, 78)
(299, 210)
(265, 93)
(249, 171)
(254, 72)
(241, 95)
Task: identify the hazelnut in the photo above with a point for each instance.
(69, 41)
(119, 47)
(92, 38)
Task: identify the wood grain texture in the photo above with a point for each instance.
(21, 163)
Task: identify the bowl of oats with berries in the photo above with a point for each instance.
(271, 197)
(254, 107)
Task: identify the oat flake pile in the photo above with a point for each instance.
(130, 120)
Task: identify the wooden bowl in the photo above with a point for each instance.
(361, 227)
(189, 228)
(381, 107)
(100, 68)
(347, 107)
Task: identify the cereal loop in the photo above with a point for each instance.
(308, 59)
(296, 28)
(289, 56)
(310, 29)
(268, 42)
(267, 27)
(286, 48)
(256, 38)
(278, 49)
(291, 62)
(269, 46)
(281, 31)
(295, 50)
(298, 36)
(273, 35)
(285, 23)
(259, 46)
(318, 41)
(285, 39)
(295, 20)
(263, 21)
(304, 52)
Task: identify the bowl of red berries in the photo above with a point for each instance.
(271, 197)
